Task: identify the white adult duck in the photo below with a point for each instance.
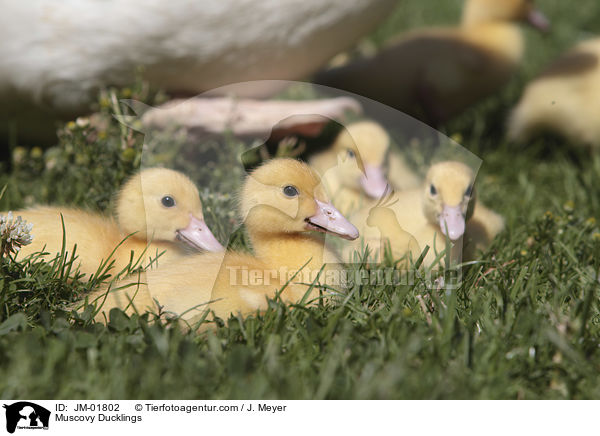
(55, 55)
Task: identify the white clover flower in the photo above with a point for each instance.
(14, 233)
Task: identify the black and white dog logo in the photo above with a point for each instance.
(26, 415)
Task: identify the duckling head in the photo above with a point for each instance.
(361, 149)
(286, 196)
(449, 197)
(164, 205)
(480, 11)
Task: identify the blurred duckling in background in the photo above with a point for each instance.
(564, 99)
(353, 168)
(283, 204)
(434, 74)
(159, 208)
(446, 206)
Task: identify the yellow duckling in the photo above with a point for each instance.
(353, 168)
(433, 74)
(563, 99)
(445, 206)
(283, 204)
(158, 207)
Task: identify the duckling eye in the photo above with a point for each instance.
(168, 201)
(469, 191)
(432, 190)
(290, 191)
(351, 153)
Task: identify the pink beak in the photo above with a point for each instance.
(373, 181)
(538, 20)
(452, 222)
(329, 220)
(198, 235)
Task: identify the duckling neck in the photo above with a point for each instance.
(292, 250)
(145, 251)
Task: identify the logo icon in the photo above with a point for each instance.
(26, 415)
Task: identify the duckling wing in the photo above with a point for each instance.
(179, 288)
(94, 235)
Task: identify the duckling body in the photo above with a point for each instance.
(144, 229)
(563, 99)
(409, 214)
(241, 283)
(434, 74)
(446, 207)
(95, 235)
(282, 204)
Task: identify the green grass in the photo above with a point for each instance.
(524, 323)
